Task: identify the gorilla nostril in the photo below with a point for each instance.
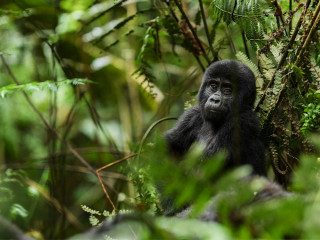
(214, 100)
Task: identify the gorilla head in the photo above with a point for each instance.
(225, 83)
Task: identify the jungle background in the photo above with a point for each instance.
(89, 85)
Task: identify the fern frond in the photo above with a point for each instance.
(243, 9)
(90, 210)
(93, 220)
(268, 66)
(272, 97)
(249, 15)
(14, 13)
(108, 214)
(277, 87)
(38, 86)
(107, 237)
(315, 71)
(276, 51)
(242, 57)
(147, 39)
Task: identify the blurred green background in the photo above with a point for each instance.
(101, 72)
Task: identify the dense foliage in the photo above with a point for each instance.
(88, 87)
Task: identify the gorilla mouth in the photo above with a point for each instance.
(215, 110)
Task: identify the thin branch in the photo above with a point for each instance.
(236, 14)
(177, 20)
(232, 44)
(13, 230)
(68, 122)
(200, 63)
(96, 119)
(206, 26)
(234, 8)
(312, 29)
(68, 168)
(101, 182)
(279, 15)
(105, 11)
(74, 152)
(245, 44)
(60, 208)
(284, 56)
(70, 148)
(290, 12)
(193, 31)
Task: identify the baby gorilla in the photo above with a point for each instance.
(223, 118)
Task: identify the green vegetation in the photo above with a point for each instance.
(89, 85)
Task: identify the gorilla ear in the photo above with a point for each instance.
(201, 89)
(198, 95)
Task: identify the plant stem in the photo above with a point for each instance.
(245, 44)
(310, 31)
(284, 56)
(193, 31)
(206, 26)
(177, 20)
(290, 11)
(70, 148)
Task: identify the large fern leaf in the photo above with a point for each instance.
(248, 14)
(38, 86)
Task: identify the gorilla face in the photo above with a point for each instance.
(224, 84)
(219, 98)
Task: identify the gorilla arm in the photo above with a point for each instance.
(247, 149)
(252, 148)
(181, 137)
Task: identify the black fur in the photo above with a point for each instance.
(233, 125)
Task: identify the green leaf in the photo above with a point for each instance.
(18, 210)
(39, 86)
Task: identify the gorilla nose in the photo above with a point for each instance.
(214, 100)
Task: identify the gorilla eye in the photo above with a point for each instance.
(214, 87)
(227, 91)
